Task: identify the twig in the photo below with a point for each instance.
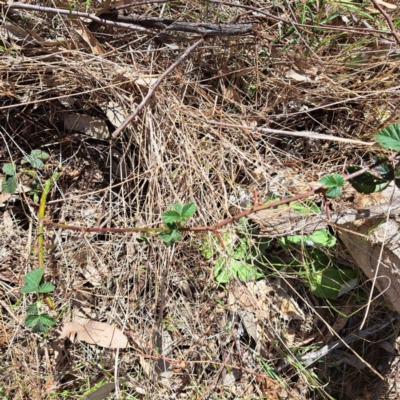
(361, 31)
(388, 19)
(49, 10)
(305, 134)
(153, 87)
(323, 351)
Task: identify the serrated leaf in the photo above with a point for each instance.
(170, 216)
(9, 185)
(39, 154)
(332, 180)
(389, 137)
(188, 210)
(333, 192)
(367, 183)
(47, 319)
(35, 162)
(31, 320)
(32, 280)
(177, 207)
(40, 328)
(10, 169)
(170, 237)
(32, 309)
(46, 287)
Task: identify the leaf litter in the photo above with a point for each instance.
(282, 79)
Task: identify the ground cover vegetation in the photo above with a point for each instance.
(161, 162)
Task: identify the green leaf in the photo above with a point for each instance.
(333, 192)
(243, 271)
(40, 322)
(39, 154)
(389, 137)
(321, 237)
(45, 287)
(305, 207)
(10, 169)
(171, 237)
(9, 185)
(188, 210)
(32, 309)
(242, 249)
(367, 183)
(170, 216)
(35, 162)
(332, 180)
(178, 208)
(31, 320)
(222, 274)
(224, 271)
(332, 282)
(32, 280)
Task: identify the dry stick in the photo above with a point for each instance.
(362, 31)
(152, 88)
(388, 19)
(305, 134)
(214, 228)
(49, 10)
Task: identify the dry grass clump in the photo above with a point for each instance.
(188, 336)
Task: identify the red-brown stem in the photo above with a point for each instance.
(388, 20)
(214, 228)
(255, 196)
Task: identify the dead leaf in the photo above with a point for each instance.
(94, 332)
(387, 5)
(89, 38)
(7, 220)
(102, 392)
(300, 76)
(92, 126)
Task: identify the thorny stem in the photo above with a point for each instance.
(215, 228)
(41, 214)
(388, 20)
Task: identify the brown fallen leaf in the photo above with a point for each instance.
(94, 332)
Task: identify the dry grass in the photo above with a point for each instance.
(166, 299)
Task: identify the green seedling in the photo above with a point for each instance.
(36, 319)
(174, 219)
(35, 160)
